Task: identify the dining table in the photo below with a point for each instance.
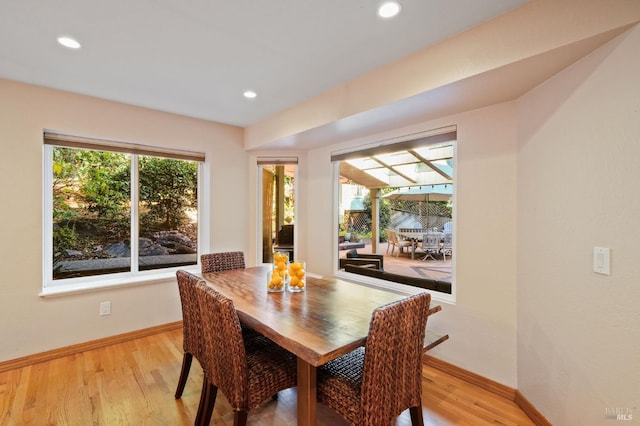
(328, 319)
(412, 235)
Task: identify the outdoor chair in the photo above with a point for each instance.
(361, 259)
(390, 240)
(430, 245)
(371, 386)
(192, 343)
(248, 372)
(393, 241)
(447, 248)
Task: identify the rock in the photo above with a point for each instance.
(119, 249)
(72, 253)
(172, 238)
(148, 248)
(180, 249)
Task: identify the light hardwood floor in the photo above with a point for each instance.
(133, 383)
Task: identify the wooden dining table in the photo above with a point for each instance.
(329, 319)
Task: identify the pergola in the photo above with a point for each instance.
(405, 167)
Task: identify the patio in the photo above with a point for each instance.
(403, 264)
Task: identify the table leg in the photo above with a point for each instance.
(307, 403)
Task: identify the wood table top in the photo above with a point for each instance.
(328, 319)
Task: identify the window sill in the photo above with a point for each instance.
(56, 290)
(403, 288)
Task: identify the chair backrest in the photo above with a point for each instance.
(192, 341)
(285, 235)
(392, 371)
(226, 360)
(392, 237)
(431, 241)
(448, 227)
(223, 261)
(448, 241)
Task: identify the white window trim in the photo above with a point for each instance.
(374, 282)
(51, 287)
(275, 160)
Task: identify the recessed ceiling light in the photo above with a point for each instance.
(250, 94)
(69, 42)
(389, 9)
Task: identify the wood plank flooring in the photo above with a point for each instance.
(133, 383)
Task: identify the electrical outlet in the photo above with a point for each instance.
(105, 308)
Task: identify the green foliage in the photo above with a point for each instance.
(64, 238)
(289, 202)
(167, 189)
(94, 181)
(107, 185)
(92, 196)
(384, 215)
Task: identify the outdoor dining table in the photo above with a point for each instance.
(329, 319)
(413, 235)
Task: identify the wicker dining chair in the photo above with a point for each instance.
(248, 372)
(192, 342)
(372, 385)
(223, 261)
(226, 261)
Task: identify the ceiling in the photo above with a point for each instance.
(196, 58)
(431, 164)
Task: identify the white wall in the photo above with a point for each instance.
(578, 177)
(482, 323)
(30, 324)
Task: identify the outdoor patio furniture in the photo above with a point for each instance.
(284, 240)
(447, 248)
(394, 241)
(430, 245)
(360, 259)
(426, 283)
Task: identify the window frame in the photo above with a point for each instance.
(429, 137)
(51, 287)
(280, 160)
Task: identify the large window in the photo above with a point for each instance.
(117, 210)
(396, 202)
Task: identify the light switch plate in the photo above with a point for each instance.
(601, 260)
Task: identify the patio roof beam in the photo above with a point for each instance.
(429, 164)
(393, 169)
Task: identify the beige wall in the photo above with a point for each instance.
(30, 324)
(578, 176)
(482, 323)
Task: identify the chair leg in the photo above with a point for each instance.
(207, 402)
(203, 401)
(184, 373)
(240, 418)
(416, 416)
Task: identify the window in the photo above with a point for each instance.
(278, 177)
(116, 210)
(396, 201)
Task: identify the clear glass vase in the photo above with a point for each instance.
(297, 276)
(275, 282)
